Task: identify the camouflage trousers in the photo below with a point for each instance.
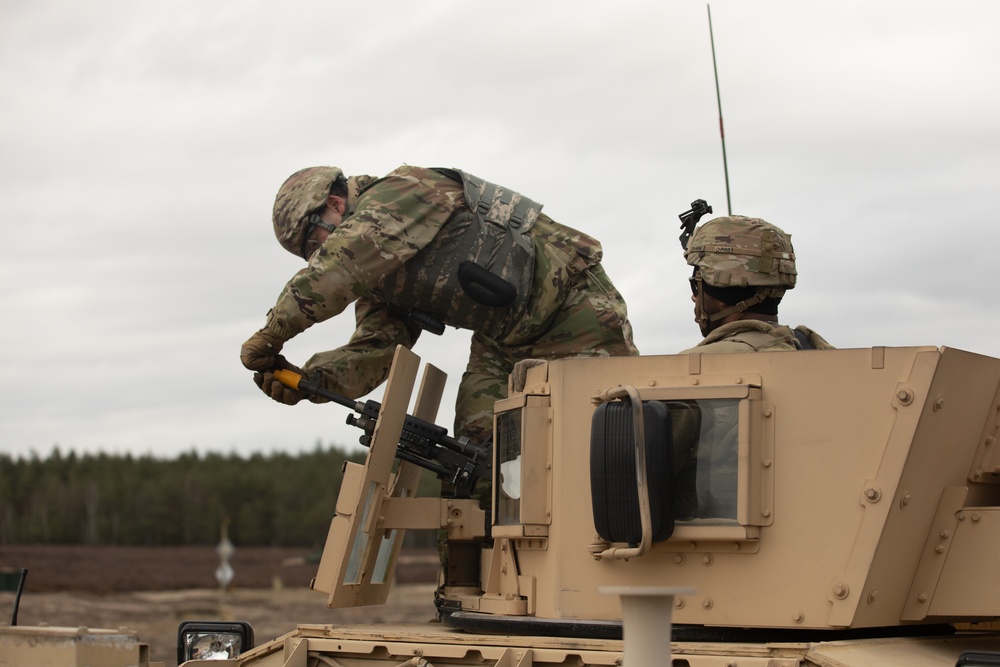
(592, 322)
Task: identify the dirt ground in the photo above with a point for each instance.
(151, 590)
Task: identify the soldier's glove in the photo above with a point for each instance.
(520, 373)
(260, 352)
(273, 388)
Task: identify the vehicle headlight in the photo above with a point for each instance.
(212, 640)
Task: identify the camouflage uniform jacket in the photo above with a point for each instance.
(395, 217)
(756, 336)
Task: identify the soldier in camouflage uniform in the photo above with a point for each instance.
(412, 253)
(742, 267)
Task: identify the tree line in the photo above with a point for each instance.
(102, 499)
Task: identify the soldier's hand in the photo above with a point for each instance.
(260, 352)
(520, 373)
(273, 388)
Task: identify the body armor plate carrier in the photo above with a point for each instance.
(476, 274)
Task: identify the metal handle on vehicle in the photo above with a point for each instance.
(641, 480)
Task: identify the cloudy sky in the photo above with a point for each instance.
(141, 144)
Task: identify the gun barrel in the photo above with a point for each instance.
(293, 380)
(454, 460)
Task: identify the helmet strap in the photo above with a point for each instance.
(740, 307)
(323, 224)
(312, 221)
(712, 320)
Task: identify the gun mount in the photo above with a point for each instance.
(455, 461)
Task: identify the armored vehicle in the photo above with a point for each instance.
(823, 508)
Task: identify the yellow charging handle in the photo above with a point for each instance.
(287, 378)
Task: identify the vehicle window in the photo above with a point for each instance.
(508, 492)
(706, 437)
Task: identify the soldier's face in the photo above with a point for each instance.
(699, 315)
(705, 306)
(698, 303)
(333, 215)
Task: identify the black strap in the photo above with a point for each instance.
(803, 340)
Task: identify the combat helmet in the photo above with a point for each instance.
(299, 202)
(740, 252)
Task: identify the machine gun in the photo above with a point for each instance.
(690, 218)
(458, 463)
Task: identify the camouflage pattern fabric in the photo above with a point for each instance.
(591, 322)
(737, 251)
(755, 336)
(395, 217)
(573, 308)
(362, 364)
(489, 240)
(355, 186)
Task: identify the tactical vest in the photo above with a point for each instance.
(476, 274)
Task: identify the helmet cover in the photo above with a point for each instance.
(737, 251)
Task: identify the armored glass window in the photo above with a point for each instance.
(353, 573)
(508, 487)
(706, 458)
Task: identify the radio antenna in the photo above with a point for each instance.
(718, 97)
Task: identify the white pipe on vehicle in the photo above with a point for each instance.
(646, 622)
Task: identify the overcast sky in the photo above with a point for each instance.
(142, 143)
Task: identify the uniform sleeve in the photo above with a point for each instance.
(363, 363)
(395, 218)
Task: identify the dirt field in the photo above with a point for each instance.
(151, 590)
